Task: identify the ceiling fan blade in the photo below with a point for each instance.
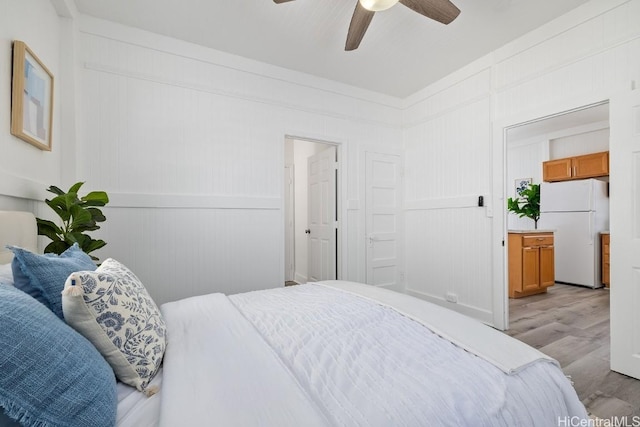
(359, 23)
(281, 1)
(439, 10)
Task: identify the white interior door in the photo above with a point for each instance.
(625, 233)
(382, 219)
(322, 212)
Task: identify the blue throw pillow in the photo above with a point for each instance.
(43, 276)
(51, 375)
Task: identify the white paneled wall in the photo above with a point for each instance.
(180, 252)
(524, 160)
(448, 251)
(578, 144)
(451, 154)
(190, 144)
(26, 171)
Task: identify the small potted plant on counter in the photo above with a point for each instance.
(527, 204)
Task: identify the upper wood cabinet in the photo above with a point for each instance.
(579, 167)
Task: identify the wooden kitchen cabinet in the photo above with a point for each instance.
(579, 167)
(531, 263)
(605, 249)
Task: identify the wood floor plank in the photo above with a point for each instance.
(569, 349)
(571, 324)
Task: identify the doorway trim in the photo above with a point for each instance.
(341, 205)
(500, 298)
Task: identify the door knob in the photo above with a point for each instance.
(307, 231)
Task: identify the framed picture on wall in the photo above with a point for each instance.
(522, 184)
(32, 98)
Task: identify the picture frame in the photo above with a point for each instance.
(32, 98)
(522, 184)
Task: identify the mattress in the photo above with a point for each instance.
(322, 355)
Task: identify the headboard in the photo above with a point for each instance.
(18, 229)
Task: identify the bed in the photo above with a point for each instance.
(329, 353)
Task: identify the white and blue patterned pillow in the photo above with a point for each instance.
(114, 311)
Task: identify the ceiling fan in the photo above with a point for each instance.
(439, 10)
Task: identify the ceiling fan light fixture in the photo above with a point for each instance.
(377, 5)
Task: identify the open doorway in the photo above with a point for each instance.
(311, 211)
(568, 322)
(552, 154)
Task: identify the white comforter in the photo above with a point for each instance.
(316, 355)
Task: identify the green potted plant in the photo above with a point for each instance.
(527, 204)
(78, 214)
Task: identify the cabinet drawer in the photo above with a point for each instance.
(537, 240)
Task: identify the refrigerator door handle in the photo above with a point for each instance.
(591, 221)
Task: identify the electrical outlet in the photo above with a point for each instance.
(451, 297)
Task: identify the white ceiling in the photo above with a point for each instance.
(549, 125)
(401, 53)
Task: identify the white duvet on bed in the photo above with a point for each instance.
(315, 355)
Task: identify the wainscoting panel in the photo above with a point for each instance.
(448, 252)
(179, 253)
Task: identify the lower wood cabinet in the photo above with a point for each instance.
(531, 263)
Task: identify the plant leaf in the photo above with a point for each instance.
(96, 198)
(97, 215)
(93, 245)
(80, 218)
(49, 229)
(75, 187)
(59, 206)
(55, 190)
(56, 247)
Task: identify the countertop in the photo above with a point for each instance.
(531, 231)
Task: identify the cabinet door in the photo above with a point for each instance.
(556, 170)
(547, 267)
(530, 269)
(591, 165)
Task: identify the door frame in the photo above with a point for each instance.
(500, 301)
(341, 205)
(289, 218)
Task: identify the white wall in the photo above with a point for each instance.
(188, 142)
(579, 143)
(26, 171)
(524, 160)
(454, 148)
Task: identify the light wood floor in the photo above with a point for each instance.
(571, 324)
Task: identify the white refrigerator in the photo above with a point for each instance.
(577, 211)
